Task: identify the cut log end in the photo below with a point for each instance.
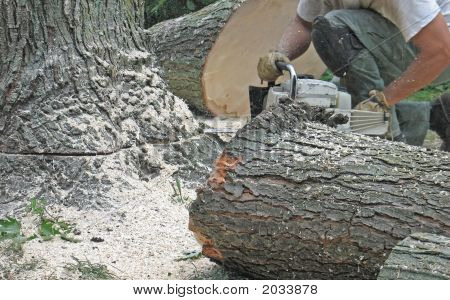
(254, 29)
(216, 63)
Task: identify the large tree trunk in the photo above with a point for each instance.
(294, 199)
(76, 85)
(74, 74)
(209, 57)
(420, 256)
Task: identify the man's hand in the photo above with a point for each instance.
(376, 102)
(267, 69)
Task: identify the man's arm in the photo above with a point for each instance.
(296, 38)
(433, 42)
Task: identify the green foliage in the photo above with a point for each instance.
(90, 271)
(160, 10)
(50, 226)
(37, 207)
(430, 93)
(9, 229)
(177, 196)
(327, 76)
(49, 229)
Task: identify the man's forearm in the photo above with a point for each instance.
(433, 42)
(296, 38)
(419, 74)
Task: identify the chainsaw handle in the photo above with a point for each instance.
(282, 66)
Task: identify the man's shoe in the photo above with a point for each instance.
(440, 120)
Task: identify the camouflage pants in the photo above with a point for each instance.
(385, 57)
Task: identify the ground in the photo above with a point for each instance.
(145, 236)
(143, 239)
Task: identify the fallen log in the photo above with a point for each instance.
(209, 57)
(294, 199)
(420, 256)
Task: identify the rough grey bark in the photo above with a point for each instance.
(420, 256)
(80, 99)
(76, 78)
(182, 46)
(294, 199)
(92, 181)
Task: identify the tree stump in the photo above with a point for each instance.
(81, 106)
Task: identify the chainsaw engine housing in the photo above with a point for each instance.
(325, 94)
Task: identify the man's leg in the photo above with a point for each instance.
(381, 39)
(414, 120)
(358, 68)
(384, 57)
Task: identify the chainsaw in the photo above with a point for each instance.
(304, 88)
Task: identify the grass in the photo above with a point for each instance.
(178, 196)
(90, 271)
(11, 266)
(430, 93)
(15, 269)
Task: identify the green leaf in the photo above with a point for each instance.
(178, 186)
(9, 228)
(32, 237)
(37, 207)
(48, 229)
(327, 76)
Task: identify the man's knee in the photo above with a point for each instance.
(337, 45)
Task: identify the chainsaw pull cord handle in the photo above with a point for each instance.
(282, 66)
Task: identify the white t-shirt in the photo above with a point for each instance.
(409, 16)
